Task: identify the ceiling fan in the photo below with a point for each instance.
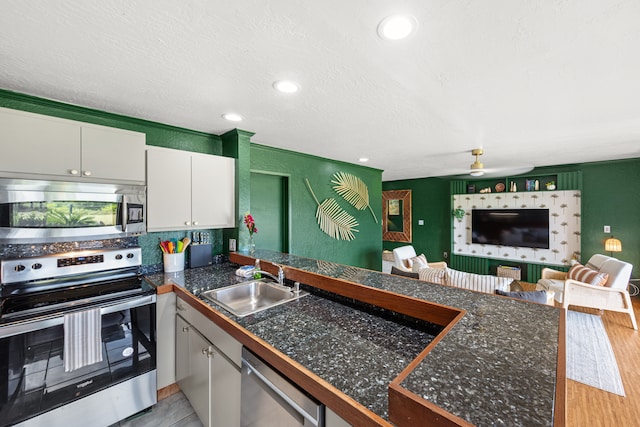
(477, 168)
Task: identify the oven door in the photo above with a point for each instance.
(33, 380)
(48, 211)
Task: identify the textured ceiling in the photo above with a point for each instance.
(532, 82)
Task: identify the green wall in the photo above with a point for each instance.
(429, 201)
(610, 196)
(306, 237)
(157, 134)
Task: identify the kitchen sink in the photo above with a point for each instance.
(251, 297)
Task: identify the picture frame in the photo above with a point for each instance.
(396, 216)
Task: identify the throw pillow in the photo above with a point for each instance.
(434, 275)
(399, 272)
(535, 296)
(586, 275)
(418, 262)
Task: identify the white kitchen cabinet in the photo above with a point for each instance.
(166, 340)
(188, 190)
(39, 146)
(206, 374)
(110, 153)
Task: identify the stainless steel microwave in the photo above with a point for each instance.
(33, 211)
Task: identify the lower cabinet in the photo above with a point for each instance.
(209, 379)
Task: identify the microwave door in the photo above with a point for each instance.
(58, 216)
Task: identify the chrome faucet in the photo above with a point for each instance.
(279, 279)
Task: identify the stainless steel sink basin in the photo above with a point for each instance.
(251, 297)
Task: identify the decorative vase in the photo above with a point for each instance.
(252, 245)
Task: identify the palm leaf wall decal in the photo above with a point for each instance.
(353, 190)
(333, 220)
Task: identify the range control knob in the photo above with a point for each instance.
(119, 256)
(36, 266)
(19, 267)
(130, 255)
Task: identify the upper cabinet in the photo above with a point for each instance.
(39, 146)
(188, 190)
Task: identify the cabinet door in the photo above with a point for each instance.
(225, 392)
(182, 366)
(113, 154)
(200, 358)
(168, 189)
(213, 191)
(37, 144)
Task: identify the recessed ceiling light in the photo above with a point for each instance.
(286, 86)
(397, 27)
(232, 117)
(363, 159)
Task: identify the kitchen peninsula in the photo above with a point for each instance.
(465, 359)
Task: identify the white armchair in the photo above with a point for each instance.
(614, 296)
(402, 254)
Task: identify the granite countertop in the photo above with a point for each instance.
(496, 366)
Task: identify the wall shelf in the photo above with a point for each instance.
(563, 181)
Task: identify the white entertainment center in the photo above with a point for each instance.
(564, 225)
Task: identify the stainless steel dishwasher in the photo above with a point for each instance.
(268, 399)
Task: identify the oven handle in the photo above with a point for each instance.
(58, 319)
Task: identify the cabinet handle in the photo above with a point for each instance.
(187, 223)
(195, 222)
(180, 307)
(207, 352)
(74, 172)
(86, 173)
(185, 329)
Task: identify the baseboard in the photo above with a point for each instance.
(167, 391)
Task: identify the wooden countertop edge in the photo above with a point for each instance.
(418, 308)
(560, 406)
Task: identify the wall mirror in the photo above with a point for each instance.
(396, 215)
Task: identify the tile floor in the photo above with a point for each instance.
(174, 411)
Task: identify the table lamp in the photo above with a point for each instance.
(612, 245)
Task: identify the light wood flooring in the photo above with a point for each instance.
(589, 406)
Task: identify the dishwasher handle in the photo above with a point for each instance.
(262, 372)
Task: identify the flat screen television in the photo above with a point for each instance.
(524, 228)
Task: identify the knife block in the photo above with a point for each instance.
(200, 255)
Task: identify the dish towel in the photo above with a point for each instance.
(82, 339)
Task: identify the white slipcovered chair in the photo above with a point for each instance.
(403, 254)
(613, 296)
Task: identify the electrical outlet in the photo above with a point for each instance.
(607, 229)
(445, 254)
(232, 245)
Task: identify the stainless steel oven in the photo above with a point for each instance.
(37, 388)
(33, 211)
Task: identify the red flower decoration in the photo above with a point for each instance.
(250, 223)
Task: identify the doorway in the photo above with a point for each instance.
(270, 209)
